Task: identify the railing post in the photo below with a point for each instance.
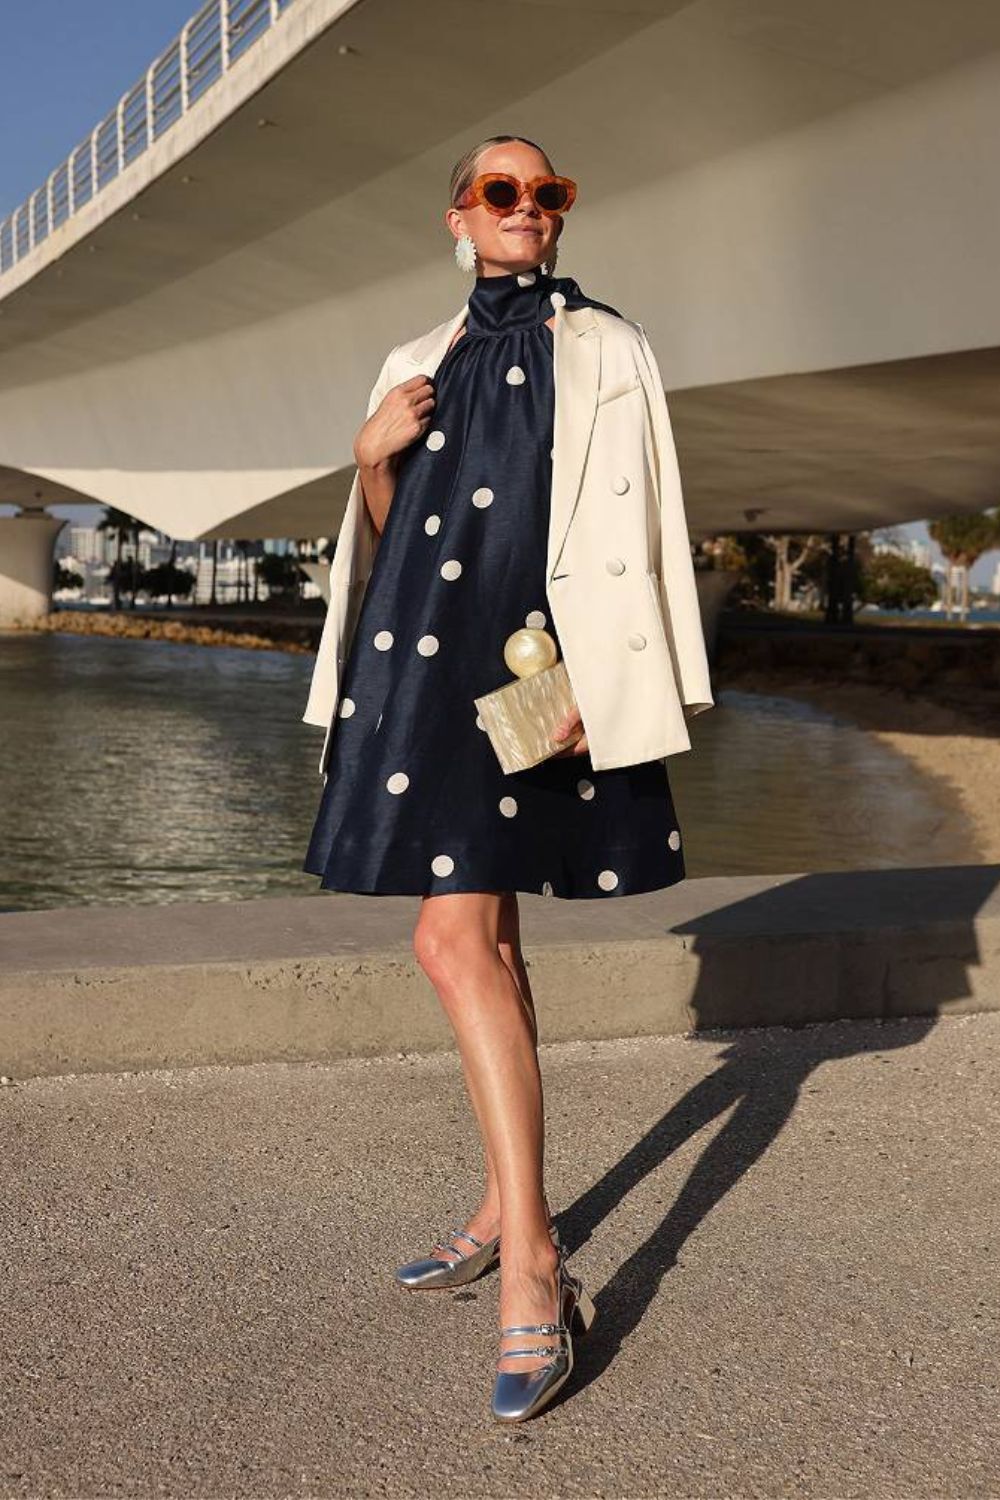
(120, 133)
(224, 34)
(71, 183)
(184, 68)
(49, 200)
(93, 161)
(149, 104)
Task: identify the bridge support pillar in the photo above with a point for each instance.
(841, 579)
(27, 544)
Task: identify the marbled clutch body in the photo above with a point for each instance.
(520, 717)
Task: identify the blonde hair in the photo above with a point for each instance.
(463, 173)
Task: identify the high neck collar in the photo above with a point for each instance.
(520, 299)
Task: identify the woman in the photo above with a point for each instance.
(451, 505)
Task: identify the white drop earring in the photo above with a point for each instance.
(549, 266)
(465, 252)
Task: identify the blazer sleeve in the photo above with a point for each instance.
(356, 542)
(679, 591)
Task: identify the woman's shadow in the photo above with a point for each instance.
(909, 914)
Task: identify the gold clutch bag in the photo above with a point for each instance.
(521, 716)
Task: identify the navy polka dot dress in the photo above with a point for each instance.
(415, 802)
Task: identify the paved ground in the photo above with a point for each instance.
(791, 1236)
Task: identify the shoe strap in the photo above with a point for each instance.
(463, 1234)
(544, 1349)
(535, 1328)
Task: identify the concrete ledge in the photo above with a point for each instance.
(328, 976)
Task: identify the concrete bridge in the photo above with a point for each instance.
(796, 199)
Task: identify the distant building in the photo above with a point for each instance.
(917, 552)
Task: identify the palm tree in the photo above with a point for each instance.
(243, 569)
(963, 540)
(121, 523)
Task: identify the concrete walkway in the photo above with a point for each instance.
(791, 1237)
(315, 978)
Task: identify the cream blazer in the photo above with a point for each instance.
(619, 576)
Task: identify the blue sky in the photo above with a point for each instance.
(64, 65)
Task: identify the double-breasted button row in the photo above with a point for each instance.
(616, 565)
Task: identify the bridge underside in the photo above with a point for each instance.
(792, 197)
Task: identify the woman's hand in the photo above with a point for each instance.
(564, 729)
(403, 415)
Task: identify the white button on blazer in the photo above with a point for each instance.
(615, 481)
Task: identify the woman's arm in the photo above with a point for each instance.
(402, 416)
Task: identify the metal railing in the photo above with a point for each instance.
(213, 40)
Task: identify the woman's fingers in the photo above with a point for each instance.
(402, 416)
(566, 727)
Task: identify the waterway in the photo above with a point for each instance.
(137, 771)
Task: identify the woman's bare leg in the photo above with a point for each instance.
(485, 1222)
(457, 942)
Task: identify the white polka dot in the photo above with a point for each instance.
(515, 375)
(508, 806)
(674, 839)
(526, 278)
(586, 789)
(607, 880)
(552, 453)
(347, 707)
(435, 440)
(557, 299)
(479, 722)
(383, 640)
(442, 864)
(451, 569)
(546, 888)
(398, 782)
(482, 498)
(427, 645)
(432, 525)
(535, 619)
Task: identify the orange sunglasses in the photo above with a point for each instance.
(500, 193)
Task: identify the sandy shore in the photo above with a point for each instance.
(960, 748)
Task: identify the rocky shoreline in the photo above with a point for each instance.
(298, 636)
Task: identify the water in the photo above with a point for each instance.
(146, 771)
(937, 616)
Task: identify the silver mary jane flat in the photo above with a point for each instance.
(518, 1394)
(431, 1273)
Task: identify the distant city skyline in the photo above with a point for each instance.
(983, 575)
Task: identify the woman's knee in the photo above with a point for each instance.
(453, 936)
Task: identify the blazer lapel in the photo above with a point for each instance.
(576, 359)
(576, 355)
(427, 352)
